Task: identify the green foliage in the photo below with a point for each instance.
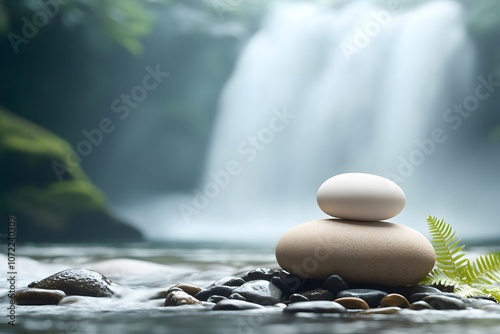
(453, 268)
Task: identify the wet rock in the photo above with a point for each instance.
(261, 274)
(215, 299)
(394, 299)
(441, 302)
(371, 297)
(222, 290)
(409, 290)
(261, 292)
(81, 300)
(280, 305)
(382, 310)
(295, 298)
(180, 298)
(319, 294)
(317, 306)
(478, 303)
(352, 303)
(190, 289)
(335, 284)
(286, 282)
(230, 281)
(233, 304)
(421, 295)
(76, 281)
(420, 305)
(236, 296)
(38, 297)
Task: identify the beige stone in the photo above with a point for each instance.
(359, 252)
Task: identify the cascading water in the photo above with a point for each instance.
(321, 91)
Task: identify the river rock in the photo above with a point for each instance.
(77, 281)
(261, 292)
(235, 305)
(394, 299)
(360, 196)
(420, 305)
(237, 296)
(180, 298)
(352, 303)
(360, 252)
(230, 281)
(262, 273)
(318, 294)
(335, 283)
(221, 290)
(317, 306)
(371, 297)
(295, 298)
(441, 302)
(38, 297)
(215, 299)
(190, 289)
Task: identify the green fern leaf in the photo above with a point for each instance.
(484, 270)
(439, 277)
(465, 290)
(450, 258)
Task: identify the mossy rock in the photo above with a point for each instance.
(48, 207)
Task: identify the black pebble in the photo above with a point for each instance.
(222, 290)
(440, 302)
(237, 296)
(261, 274)
(215, 299)
(295, 298)
(335, 284)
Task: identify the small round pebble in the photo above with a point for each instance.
(180, 298)
(189, 288)
(35, 296)
(335, 283)
(441, 302)
(394, 299)
(317, 306)
(352, 303)
(222, 290)
(420, 305)
(234, 305)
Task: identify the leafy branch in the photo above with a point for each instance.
(480, 277)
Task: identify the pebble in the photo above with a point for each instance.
(360, 252)
(295, 298)
(319, 294)
(222, 290)
(335, 283)
(189, 288)
(409, 290)
(236, 296)
(440, 302)
(317, 306)
(394, 299)
(261, 292)
(352, 303)
(371, 297)
(286, 282)
(359, 196)
(230, 281)
(421, 295)
(234, 304)
(262, 273)
(215, 299)
(33, 296)
(478, 303)
(382, 310)
(180, 298)
(420, 305)
(76, 281)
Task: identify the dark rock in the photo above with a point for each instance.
(230, 281)
(382, 310)
(440, 302)
(261, 274)
(352, 303)
(234, 304)
(394, 299)
(421, 295)
(295, 298)
(76, 281)
(420, 305)
(38, 297)
(335, 284)
(261, 292)
(215, 299)
(318, 294)
(286, 282)
(222, 290)
(309, 284)
(189, 288)
(478, 303)
(180, 298)
(371, 297)
(317, 306)
(236, 296)
(409, 290)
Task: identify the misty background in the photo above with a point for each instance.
(221, 119)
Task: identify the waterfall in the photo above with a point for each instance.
(323, 90)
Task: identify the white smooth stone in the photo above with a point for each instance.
(360, 196)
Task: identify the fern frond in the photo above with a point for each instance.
(465, 290)
(449, 255)
(494, 292)
(484, 270)
(439, 277)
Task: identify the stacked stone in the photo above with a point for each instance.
(357, 244)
